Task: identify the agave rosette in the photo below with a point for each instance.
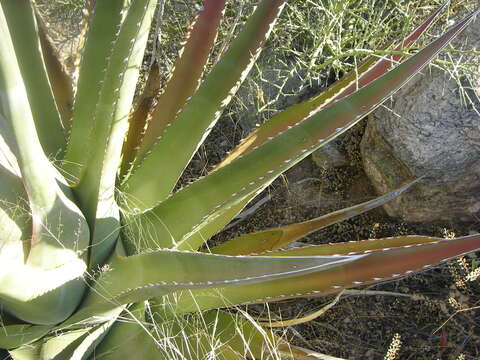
(84, 264)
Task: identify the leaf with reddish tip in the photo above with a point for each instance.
(186, 76)
(141, 277)
(169, 225)
(278, 237)
(200, 113)
(376, 266)
(370, 70)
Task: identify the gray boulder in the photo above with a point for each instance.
(431, 127)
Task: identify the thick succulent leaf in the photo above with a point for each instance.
(22, 27)
(169, 225)
(77, 344)
(366, 73)
(140, 277)
(28, 352)
(96, 189)
(200, 113)
(115, 99)
(102, 31)
(129, 335)
(52, 209)
(13, 336)
(370, 70)
(185, 77)
(61, 346)
(375, 266)
(278, 237)
(61, 83)
(8, 161)
(15, 221)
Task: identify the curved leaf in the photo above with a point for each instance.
(140, 277)
(51, 249)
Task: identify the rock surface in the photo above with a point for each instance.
(430, 129)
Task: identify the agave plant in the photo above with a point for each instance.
(98, 251)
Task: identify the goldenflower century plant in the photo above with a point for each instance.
(100, 258)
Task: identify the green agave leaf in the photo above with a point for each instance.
(96, 189)
(129, 335)
(60, 81)
(370, 70)
(376, 265)
(103, 26)
(115, 99)
(15, 221)
(169, 225)
(13, 336)
(278, 237)
(8, 161)
(22, 27)
(29, 352)
(172, 339)
(87, 15)
(76, 344)
(140, 277)
(200, 113)
(185, 77)
(51, 248)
